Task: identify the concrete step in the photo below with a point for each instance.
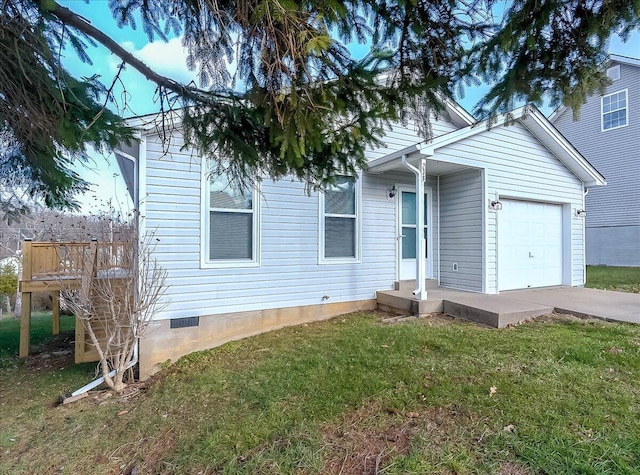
(400, 302)
(494, 310)
(410, 285)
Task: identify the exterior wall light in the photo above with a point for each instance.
(392, 192)
(581, 213)
(495, 205)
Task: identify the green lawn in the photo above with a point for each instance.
(41, 325)
(351, 395)
(623, 279)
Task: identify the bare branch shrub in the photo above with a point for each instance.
(120, 290)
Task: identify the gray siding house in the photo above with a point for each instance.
(608, 135)
(501, 209)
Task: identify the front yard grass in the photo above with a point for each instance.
(352, 395)
(622, 279)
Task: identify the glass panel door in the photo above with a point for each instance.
(408, 233)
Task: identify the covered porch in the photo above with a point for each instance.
(449, 256)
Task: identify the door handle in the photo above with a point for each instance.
(530, 255)
(402, 236)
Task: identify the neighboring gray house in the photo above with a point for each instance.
(501, 210)
(608, 135)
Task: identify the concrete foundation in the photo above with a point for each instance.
(162, 343)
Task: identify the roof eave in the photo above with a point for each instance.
(589, 173)
(389, 162)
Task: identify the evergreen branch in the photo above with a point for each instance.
(70, 18)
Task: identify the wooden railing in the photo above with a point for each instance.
(54, 266)
(48, 261)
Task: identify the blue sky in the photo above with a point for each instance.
(169, 59)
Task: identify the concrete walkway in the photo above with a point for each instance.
(583, 302)
(513, 306)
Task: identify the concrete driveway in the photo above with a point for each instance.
(583, 302)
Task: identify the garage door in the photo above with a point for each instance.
(529, 245)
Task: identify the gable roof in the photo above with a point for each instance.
(458, 114)
(531, 118)
(613, 58)
(147, 123)
(628, 60)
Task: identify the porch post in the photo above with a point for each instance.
(420, 244)
(420, 292)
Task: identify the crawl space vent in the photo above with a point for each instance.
(185, 322)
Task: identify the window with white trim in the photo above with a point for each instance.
(613, 72)
(231, 223)
(614, 110)
(340, 221)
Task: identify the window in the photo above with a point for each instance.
(339, 221)
(614, 110)
(409, 225)
(613, 72)
(230, 234)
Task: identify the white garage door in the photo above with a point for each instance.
(529, 245)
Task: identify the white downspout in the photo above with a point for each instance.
(420, 292)
(439, 260)
(97, 382)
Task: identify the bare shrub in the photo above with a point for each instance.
(120, 290)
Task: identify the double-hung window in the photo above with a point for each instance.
(230, 234)
(339, 240)
(615, 110)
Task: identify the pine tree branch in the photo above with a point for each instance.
(74, 20)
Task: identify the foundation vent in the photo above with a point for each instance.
(185, 322)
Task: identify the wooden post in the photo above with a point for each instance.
(55, 307)
(88, 273)
(79, 345)
(89, 268)
(25, 311)
(27, 256)
(25, 324)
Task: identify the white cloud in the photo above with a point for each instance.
(168, 59)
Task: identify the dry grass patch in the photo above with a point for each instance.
(369, 440)
(511, 468)
(363, 441)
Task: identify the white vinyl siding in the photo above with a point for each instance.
(461, 230)
(401, 136)
(289, 274)
(615, 110)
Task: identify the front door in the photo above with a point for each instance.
(408, 233)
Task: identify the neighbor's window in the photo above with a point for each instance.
(614, 110)
(232, 222)
(613, 72)
(340, 220)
